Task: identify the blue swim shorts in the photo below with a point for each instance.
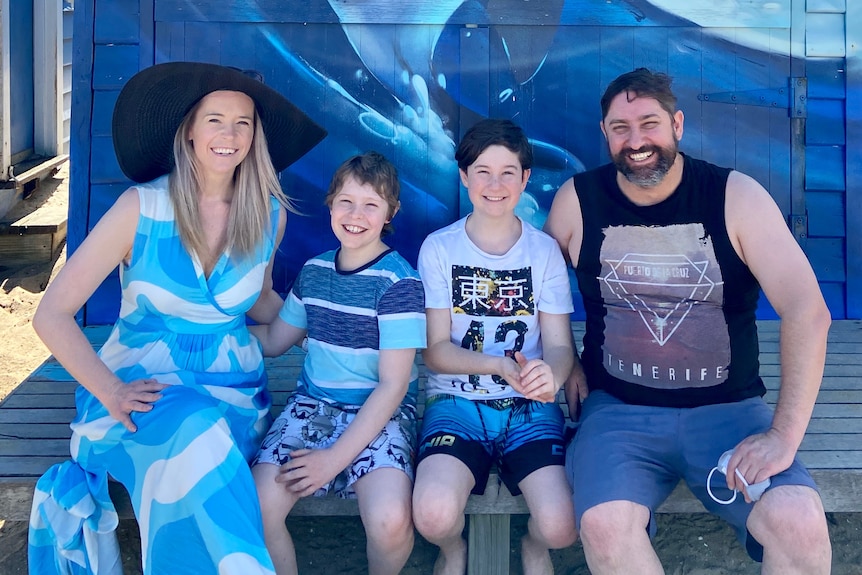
(518, 434)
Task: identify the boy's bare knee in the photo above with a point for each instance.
(435, 517)
(556, 530)
(394, 523)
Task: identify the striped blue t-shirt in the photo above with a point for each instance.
(350, 317)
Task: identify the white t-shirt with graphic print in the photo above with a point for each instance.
(493, 300)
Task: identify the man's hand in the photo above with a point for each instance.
(759, 457)
(308, 470)
(138, 395)
(576, 391)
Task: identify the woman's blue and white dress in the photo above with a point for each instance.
(186, 466)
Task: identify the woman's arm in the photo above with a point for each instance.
(104, 249)
(277, 337)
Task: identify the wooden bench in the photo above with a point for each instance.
(34, 434)
(34, 237)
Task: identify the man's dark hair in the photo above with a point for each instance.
(641, 83)
(494, 132)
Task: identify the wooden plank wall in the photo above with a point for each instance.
(853, 157)
(552, 63)
(68, 18)
(825, 139)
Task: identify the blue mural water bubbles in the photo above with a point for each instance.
(426, 123)
(377, 125)
(361, 76)
(421, 90)
(506, 94)
(552, 165)
(528, 209)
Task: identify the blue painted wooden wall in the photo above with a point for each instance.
(408, 78)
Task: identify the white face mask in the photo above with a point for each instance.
(754, 491)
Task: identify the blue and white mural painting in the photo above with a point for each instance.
(411, 86)
(408, 78)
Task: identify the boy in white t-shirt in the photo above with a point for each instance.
(497, 301)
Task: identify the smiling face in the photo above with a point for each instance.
(643, 138)
(357, 216)
(222, 131)
(495, 181)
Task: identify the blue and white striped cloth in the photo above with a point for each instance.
(350, 316)
(186, 468)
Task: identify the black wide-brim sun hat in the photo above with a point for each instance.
(154, 101)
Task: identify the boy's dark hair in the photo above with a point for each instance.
(374, 169)
(494, 132)
(641, 83)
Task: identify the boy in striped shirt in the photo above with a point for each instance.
(350, 427)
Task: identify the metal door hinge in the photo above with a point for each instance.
(793, 98)
(799, 227)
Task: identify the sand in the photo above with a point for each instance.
(687, 544)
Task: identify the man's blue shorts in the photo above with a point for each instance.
(639, 453)
(518, 434)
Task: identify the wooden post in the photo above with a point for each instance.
(488, 544)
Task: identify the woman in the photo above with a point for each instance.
(175, 403)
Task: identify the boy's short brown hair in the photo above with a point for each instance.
(374, 169)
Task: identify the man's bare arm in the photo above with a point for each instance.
(762, 239)
(565, 223)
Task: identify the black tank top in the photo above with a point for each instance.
(670, 306)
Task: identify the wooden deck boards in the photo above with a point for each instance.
(34, 430)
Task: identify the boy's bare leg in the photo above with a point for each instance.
(443, 484)
(385, 507)
(552, 518)
(275, 503)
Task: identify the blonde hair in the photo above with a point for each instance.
(255, 180)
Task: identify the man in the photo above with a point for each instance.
(670, 253)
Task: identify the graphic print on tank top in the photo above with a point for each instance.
(494, 300)
(663, 291)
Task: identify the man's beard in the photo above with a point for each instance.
(647, 176)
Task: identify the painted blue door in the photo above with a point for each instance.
(21, 74)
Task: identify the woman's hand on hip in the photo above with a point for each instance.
(137, 395)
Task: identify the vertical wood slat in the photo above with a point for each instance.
(755, 137)
(583, 75)
(147, 39)
(82, 99)
(779, 182)
(488, 542)
(79, 128)
(853, 165)
(686, 55)
(718, 119)
(475, 52)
